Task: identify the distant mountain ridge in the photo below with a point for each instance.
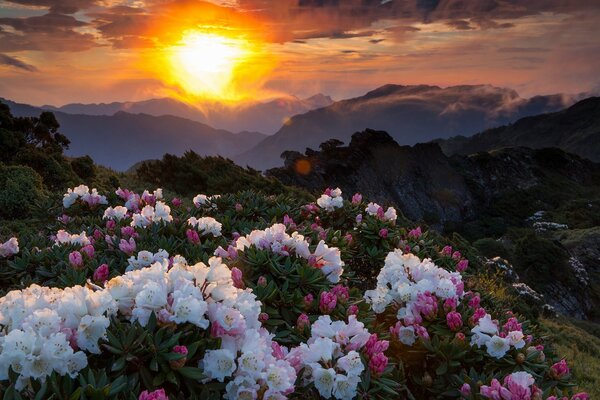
(575, 129)
(266, 117)
(411, 114)
(120, 140)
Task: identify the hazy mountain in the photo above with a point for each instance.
(122, 139)
(247, 116)
(575, 129)
(411, 114)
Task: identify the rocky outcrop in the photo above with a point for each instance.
(424, 183)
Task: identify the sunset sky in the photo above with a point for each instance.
(56, 52)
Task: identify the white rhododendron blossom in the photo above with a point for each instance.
(39, 325)
(116, 213)
(83, 193)
(203, 200)
(160, 213)
(486, 334)
(277, 240)
(404, 277)
(64, 237)
(9, 248)
(146, 258)
(331, 358)
(331, 199)
(375, 209)
(206, 225)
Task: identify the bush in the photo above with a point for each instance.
(540, 261)
(84, 168)
(491, 247)
(20, 188)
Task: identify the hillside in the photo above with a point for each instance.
(119, 141)
(486, 196)
(411, 114)
(575, 129)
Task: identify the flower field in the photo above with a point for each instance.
(130, 295)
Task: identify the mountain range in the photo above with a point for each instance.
(575, 129)
(256, 116)
(123, 139)
(411, 114)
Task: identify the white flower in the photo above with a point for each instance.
(390, 214)
(162, 212)
(516, 339)
(345, 387)
(90, 330)
(117, 213)
(218, 364)
(280, 376)
(9, 248)
(407, 335)
(69, 198)
(324, 379)
(206, 225)
(189, 309)
(497, 346)
(351, 363)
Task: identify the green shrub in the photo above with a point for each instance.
(84, 168)
(54, 169)
(20, 188)
(490, 247)
(540, 261)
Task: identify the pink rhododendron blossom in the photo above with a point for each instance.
(88, 250)
(177, 202)
(462, 265)
(302, 322)
(447, 251)
(192, 236)
(353, 310)
(559, 369)
(308, 300)
(75, 259)
(237, 277)
(383, 233)
(454, 320)
(158, 394)
(465, 390)
(328, 302)
(378, 363)
(101, 273)
(415, 233)
(127, 246)
(262, 281)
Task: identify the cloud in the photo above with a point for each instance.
(15, 62)
(48, 32)
(59, 6)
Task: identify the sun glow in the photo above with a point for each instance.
(205, 64)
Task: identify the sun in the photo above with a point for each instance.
(204, 64)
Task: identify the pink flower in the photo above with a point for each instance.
(302, 322)
(262, 281)
(465, 390)
(155, 395)
(176, 202)
(180, 349)
(456, 255)
(127, 247)
(238, 207)
(357, 198)
(415, 233)
(75, 259)
(352, 310)
(237, 277)
(341, 292)
(123, 193)
(421, 332)
(581, 396)
(110, 225)
(128, 231)
(348, 238)
(383, 233)
(374, 345)
(475, 301)
(454, 320)
(308, 300)
(447, 250)
(192, 236)
(327, 192)
(495, 391)
(477, 315)
(512, 325)
(289, 222)
(64, 219)
(263, 317)
(101, 273)
(88, 250)
(97, 234)
(559, 370)
(378, 363)
(359, 218)
(459, 336)
(450, 304)
(427, 305)
(328, 302)
(462, 265)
